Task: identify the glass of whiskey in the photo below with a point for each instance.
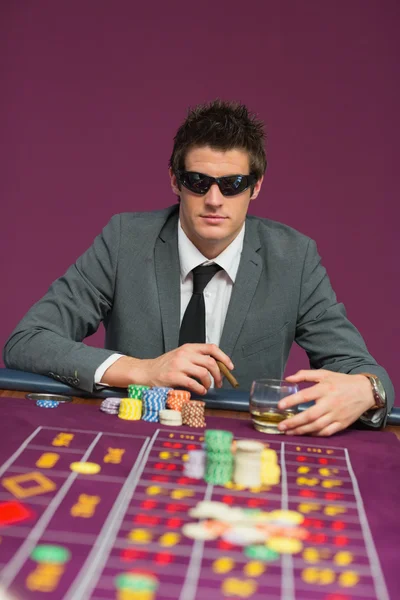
(264, 397)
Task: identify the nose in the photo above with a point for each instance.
(214, 196)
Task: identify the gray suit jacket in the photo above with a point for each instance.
(129, 278)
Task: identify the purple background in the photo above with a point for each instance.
(92, 94)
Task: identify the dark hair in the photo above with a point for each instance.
(222, 126)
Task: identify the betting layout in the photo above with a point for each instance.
(85, 513)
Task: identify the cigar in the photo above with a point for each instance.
(226, 372)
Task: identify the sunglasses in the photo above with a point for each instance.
(230, 185)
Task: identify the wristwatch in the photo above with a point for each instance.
(378, 391)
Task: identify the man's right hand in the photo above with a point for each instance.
(188, 366)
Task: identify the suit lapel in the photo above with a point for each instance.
(246, 282)
(168, 281)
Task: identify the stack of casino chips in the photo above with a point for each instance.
(247, 471)
(153, 401)
(177, 398)
(136, 391)
(195, 465)
(130, 409)
(219, 457)
(193, 413)
(47, 403)
(170, 417)
(110, 406)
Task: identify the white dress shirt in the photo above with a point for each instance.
(217, 293)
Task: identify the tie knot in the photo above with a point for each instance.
(202, 275)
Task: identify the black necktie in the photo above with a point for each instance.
(193, 326)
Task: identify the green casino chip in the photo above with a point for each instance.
(218, 474)
(48, 553)
(261, 553)
(135, 391)
(218, 440)
(135, 387)
(136, 582)
(219, 458)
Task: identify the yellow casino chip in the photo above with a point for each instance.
(269, 456)
(284, 545)
(85, 468)
(286, 517)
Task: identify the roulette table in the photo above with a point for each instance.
(90, 503)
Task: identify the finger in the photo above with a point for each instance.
(190, 384)
(200, 373)
(312, 427)
(314, 392)
(332, 428)
(207, 362)
(304, 418)
(215, 352)
(307, 375)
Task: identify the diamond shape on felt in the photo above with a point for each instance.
(28, 484)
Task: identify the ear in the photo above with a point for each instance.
(257, 188)
(174, 182)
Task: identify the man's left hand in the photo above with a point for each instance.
(340, 400)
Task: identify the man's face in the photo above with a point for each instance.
(212, 221)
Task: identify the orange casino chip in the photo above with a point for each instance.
(217, 527)
(184, 394)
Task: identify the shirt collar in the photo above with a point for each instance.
(190, 257)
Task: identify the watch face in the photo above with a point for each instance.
(381, 389)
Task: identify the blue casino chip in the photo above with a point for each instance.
(47, 403)
(150, 418)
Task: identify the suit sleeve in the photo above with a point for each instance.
(48, 340)
(330, 340)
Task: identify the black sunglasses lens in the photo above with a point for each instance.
(196, 182)
(230, 186)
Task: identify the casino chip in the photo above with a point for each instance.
(286, 517)
(170, 417)
(261, 553)
(209, 509)
(199, 531)
(218, 440)
(247, 471)
(243, 535)
(153, 402)
(110, 406)
(47, 403)
(135, 391)
(193, 413)
(219, 457)
(194, 467)
(50, 554)
(130, 409)
(85, 468)
(145, 584)
(285, 545)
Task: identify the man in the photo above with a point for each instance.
(267, 289)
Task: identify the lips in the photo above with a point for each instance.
(213, 218)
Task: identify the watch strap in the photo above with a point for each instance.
(379, 396)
